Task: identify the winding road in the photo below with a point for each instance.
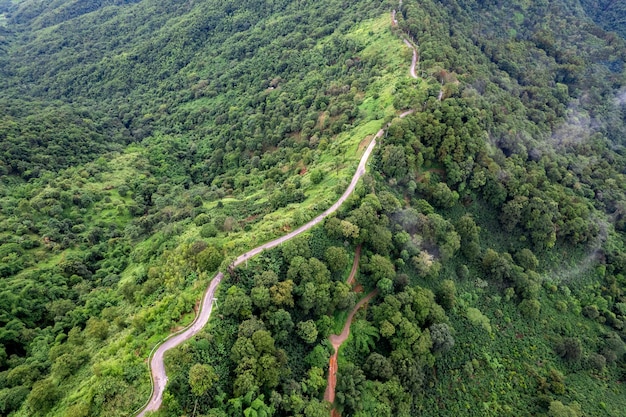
(414, 60)
(157, 366)
(394, 22)
(337, 340)
(156, 358)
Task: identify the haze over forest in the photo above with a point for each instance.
(145, 145)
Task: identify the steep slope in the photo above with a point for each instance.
(498, 200)
(144, 144)
(103, 258)
(608, 14)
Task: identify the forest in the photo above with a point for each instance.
(145, 144)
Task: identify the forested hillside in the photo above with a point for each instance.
(145, 144)
(609, 14)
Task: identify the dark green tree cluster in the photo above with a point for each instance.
(275, 313)
(496, 209)
(284, 305)
(40, 137)
(214, 99)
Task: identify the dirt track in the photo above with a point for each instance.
(355, 266)
(157, 366)
(337, 340)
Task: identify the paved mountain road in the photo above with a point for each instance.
(414, 60)
(157, 365)
(355, 179)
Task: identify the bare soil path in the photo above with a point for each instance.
(355, 266)
(337, 340)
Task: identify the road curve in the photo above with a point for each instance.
(156, 362)
(355, 265)
(329, 394)
(414, 60)
(355, 179)
(157, 366)
(337, 340)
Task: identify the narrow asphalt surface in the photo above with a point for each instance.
(355, 179)
(414, 60)
(157, 365)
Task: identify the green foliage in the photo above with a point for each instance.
(478, 319)
(48, 136)
(558, 409)
(526, 259)
(97, 329)
(209, 259)
(258, 409)
(349, 387)
(385, 286)
(12, 398)
(221, 118)
(208, 230)
(530, 308)
(298, 246)
(201, 378)
(570, 349)
(443, 196)
(442, 337)
(608, 14)
(237, 303)
(365, 335)
(380, 268)
(318, 357)
(42, 397)
(378, 367)
(317, 176)
(307, 330)
(337, 258)
(446, 294)
(68, 363)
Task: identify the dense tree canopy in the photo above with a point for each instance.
(145, 144)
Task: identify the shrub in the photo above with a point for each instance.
(208, 230)
(530, 308)
(202, 219)
(317, 176)
(570, 349)
(596, 362)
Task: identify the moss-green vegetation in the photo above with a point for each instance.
(144, 144)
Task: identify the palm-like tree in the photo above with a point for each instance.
(365, 335)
